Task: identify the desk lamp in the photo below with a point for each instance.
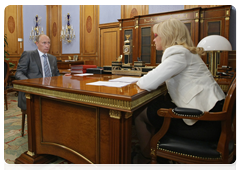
(214, 44)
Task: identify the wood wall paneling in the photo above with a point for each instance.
(54, 25)
(89, 20)
(110, 43)
(129, 11)
(14, 29)
(90, 40)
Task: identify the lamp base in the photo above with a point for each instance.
(213, 63)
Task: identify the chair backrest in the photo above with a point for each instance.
(230, 106)
(6, 72)
(229, 125)
(231, 99)
(233, 78)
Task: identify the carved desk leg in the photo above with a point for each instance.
(127, 141)
(120, 137)
(30, 156)
(115, 136)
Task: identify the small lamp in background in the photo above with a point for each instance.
(214, 44)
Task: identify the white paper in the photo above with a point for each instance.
(125, 79)
(109, 84)
(84, 74)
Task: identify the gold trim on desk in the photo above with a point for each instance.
(103, 102)
(30, 153)
(28, 96)
(115, 114)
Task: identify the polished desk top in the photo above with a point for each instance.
(75, 88)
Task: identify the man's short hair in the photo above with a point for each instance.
(38, 37)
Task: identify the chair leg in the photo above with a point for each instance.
(23, 121)
(154, 163)
(5, 98)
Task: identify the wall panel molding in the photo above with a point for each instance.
(13, 24)
(89, 19)
(129, 11)
(54, 27)
(110, 43)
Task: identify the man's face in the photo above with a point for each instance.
(43, 44)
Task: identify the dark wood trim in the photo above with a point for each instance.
(109, 25)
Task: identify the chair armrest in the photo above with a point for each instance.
(181, 111)
(195, 114)
(162, 131)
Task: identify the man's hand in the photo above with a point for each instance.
(67, 74)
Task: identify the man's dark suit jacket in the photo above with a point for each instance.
(30, 67)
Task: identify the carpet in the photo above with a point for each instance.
(15, 144)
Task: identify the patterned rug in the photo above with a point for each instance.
(15, 144)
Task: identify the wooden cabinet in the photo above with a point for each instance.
(215, 21)
(128, 28)
(146, 52)
(200, 23)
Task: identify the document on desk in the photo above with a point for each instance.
(118, 82)
(109, 84)
(125, 79)
(84, 74)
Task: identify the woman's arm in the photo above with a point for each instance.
(170, 67)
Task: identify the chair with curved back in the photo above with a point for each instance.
(6, 75)
(184, 150)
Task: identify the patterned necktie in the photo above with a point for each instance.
(46, 67)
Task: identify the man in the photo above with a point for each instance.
(36, 64)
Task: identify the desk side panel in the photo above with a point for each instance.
(67, 130)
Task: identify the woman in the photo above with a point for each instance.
(189, 82)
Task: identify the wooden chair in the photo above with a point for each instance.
(6, 75)
(184, 150)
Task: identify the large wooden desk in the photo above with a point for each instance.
(78, 122)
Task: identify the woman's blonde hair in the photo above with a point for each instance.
(174, 32)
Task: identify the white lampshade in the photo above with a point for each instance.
(215, 43)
